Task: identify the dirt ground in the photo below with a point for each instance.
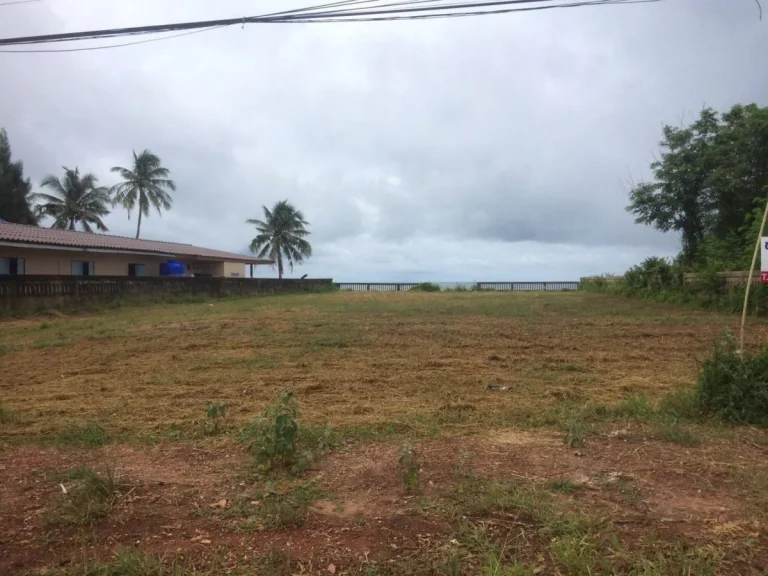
(530, 422)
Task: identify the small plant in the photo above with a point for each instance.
(272, 437)
(216, 412)
(408, 468)
(278, 441)
(91, 495)
(574, 434)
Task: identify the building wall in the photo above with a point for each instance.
(59, 262)
(234, 270)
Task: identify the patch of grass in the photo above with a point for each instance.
(272, 508)
(562, 485)
(476, 496)
(90, 435)
(90, 495)
(330, 342)
(574, 433)
(131, 562)
(677, 434)
(5, 414)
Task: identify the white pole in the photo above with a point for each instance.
(749, 280)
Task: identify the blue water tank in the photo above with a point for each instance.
(172, 268)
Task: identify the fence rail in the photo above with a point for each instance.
(500, 286)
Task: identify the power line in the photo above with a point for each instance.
(18, 2)
(395, 11)
(89, 48)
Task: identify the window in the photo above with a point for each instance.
(11, 266)
(82, 268)
(137, 270)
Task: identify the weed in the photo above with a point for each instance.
(734, 386)
(87, 435)
(275, 563)
(272, 508)
(215, 412)
(408, 467)
(475, 496)
(677, 435)
(131, 562)
(91, 495)
(278, 441)
(574, 433)
(562, 485)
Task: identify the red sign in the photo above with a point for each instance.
(763, 277)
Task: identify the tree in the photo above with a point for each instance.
(281, 235)
(679, 198)
(710, 184)
(74, 200)
(14, 188)
(147, 184)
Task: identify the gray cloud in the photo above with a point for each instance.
(497, 147)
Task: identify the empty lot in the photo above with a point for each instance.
(532, 421)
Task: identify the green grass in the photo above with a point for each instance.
(91, 494)
(270, 508)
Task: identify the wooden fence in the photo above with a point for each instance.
(734, 278)
(501, 286)
(29, 292)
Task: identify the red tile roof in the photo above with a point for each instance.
(23, 234)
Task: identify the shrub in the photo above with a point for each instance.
(734, 386)
(277, 440)
(426, 287)
(216, 411)
(408, 468)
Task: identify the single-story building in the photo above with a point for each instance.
(31, 250)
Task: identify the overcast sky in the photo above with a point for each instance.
(493, 148)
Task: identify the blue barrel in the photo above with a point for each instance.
(172, 268)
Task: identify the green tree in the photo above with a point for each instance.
(147, 184)
(680, 198)
(282, 235)
(74, 200)
(14, 188)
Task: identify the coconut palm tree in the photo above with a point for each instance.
(74, 199)
(146, 184)
(282, 235)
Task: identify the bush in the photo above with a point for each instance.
(277, 440)
(426, 287)
(734, 386)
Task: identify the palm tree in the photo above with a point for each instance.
(146, 184)
(281, 235)
(74, 200)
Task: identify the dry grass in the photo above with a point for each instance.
(606, 485)
(353, 359)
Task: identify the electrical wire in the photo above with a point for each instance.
(90, 48)
(393, 11)
(18, 2)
